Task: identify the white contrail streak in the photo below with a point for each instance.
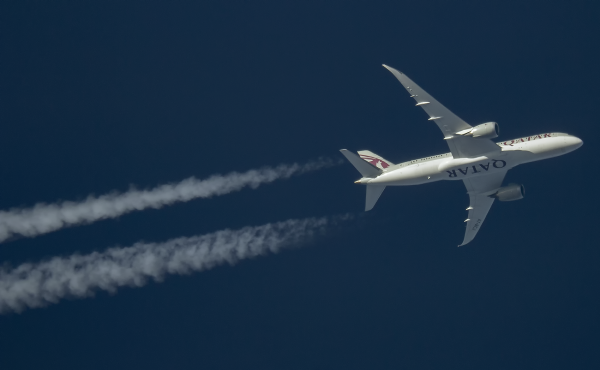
(44, 218)
(33, 285)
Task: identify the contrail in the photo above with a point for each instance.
(44, 218)
(33, 285)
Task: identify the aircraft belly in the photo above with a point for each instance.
(412, 175)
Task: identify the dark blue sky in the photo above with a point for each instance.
(95, 97)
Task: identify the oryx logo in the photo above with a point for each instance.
(375, 161)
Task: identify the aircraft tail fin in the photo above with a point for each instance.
(373, 194)
(366, 169)
(375, 159)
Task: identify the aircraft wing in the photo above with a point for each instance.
(479, 190)
(448, 122)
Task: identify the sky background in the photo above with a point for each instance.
(98, 96)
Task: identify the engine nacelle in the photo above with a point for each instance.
(488, 130)
(510, 192)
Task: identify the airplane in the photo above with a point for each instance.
(474, 158)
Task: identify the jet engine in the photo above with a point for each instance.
(488, 130)
(510, 192)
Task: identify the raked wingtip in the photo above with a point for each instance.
(391, 69)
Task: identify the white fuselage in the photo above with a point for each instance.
(445, 167)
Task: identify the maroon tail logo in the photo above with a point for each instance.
(375, 161)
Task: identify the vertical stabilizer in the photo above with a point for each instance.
(366, 169)
(376, 160)
(373, 194)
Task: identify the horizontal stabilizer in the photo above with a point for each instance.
(366, 169)
(373, 194)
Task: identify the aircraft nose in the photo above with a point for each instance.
(573, 142)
